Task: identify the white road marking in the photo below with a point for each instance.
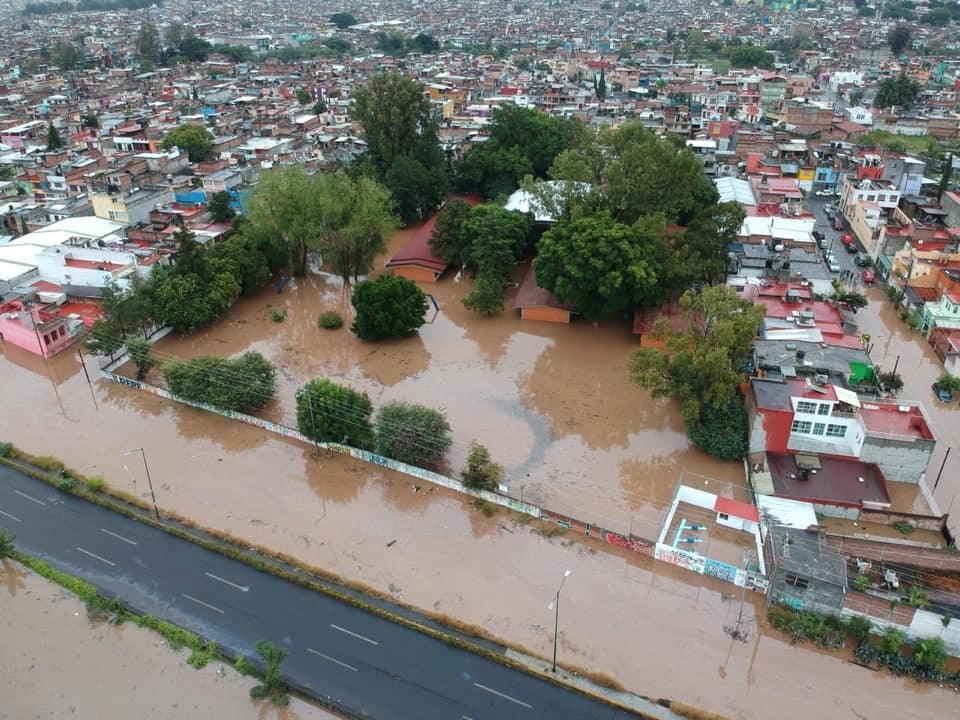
(505, 697)
(94, 555)
(356, 635)
(332, 659)
(241, 588)
(15, 519)
(118, 537)
(29, 497)
(201, 602)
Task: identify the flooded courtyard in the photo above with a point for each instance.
(56, 663)
(554, 402)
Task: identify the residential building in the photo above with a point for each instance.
(131, 207)
(804, 574)
(942, 313)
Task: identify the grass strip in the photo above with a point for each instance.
(448, 630)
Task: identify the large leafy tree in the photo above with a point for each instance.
(600, 265)
(699, 252)
(343, 20)
(494, 238)
(387, 307)
(148, 42)
(521, 142)
(219, 207)
(721, 433)
(446, 240)
(634, 173)
(248, 382)
(328, 412)
(401, 133)
(195, 139)
(901, 90)
(412, 433)
(701, 365)
(899, 38)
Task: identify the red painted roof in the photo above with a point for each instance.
(736, 508)
(532, 295)
(417, 251)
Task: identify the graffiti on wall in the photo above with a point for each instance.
(680, 558)
(629, 543)
(722, 570)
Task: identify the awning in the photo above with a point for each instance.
(847, 396)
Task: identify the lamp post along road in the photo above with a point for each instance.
(146, 468)
(555, 605)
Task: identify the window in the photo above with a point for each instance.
(800, 583)
(801, 426)
(819, 428)
(824, 409)
(724, 516)
(838, 431)
(805, 406)
(46, 339)
(62, 331)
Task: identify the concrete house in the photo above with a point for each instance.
(803, 572)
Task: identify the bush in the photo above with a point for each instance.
(278, 316)
(930, 654)
(387, 307)
(481, 473)
(860, 583)
(721, 433)
(6, 450)
(859, 627)
(412, 433)
(892, 641)
(903, 527)
(139, 350)
(7, 539)
(330, 320)
(246, 382)
(96, 483)
(67, 484)
(327, 412)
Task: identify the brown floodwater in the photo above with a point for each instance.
(56, 663)
(507, 383)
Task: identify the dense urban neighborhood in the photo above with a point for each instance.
(416, 298)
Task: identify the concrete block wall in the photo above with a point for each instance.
(898, 460)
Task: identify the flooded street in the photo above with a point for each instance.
(56, 663)
(554, 404)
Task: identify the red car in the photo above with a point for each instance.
(869, 276)
(847, 239)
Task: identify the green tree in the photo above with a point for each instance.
(244, 256)
(495, 238)
(319, 108)
(486, 296)
(634, 173)
(481, 472)
(387, 307)
(343, 20)
(248, 382)
(219, 207)
(195, 139)
(899, 91)
(899, 38)
(327, 412)
(945, 176)
(272, 656)
(54, 141)
(850, 299)
(749, 56)
(65, 55)
(7, 540)
(395, 115)
(415, 188)
(701, 365)
(892, 641)
(287, 205)
(446, 239)
(90, 120)
(148, 42)
(139, 350)
(939, 17)
(721, 433)
(930, 654)
(599, 265)
(188, 303)
(411, 433)
(304, 97)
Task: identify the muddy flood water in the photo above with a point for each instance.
(554, 402)
(56, 664)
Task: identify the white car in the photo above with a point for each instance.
(824, 193)
(834, 266)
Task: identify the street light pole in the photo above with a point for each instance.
(555, 605)
(146, 467)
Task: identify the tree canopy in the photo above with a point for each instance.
(248, 382)
(328, 412)
(401, 133)
(899, 38)
(412, 433)
(901, 90)
(349, 219)
(493, 239)
(343, 20)
(522, 141)
(219, 206)
(387, 307)
(600, 265)
(702, 362)
(749, 56)
(446, 240)
(195, 139)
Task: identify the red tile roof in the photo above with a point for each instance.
(532, 295)
(417, 251)
(736, 508)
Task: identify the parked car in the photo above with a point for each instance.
(838, 224)
(869, 276)
(824, 193)
(943, 394)
(861, 261)
(833, 266)
(851, 248)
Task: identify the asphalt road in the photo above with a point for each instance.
(364, 663)
(824, 225)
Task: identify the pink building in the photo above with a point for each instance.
(38, 327)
